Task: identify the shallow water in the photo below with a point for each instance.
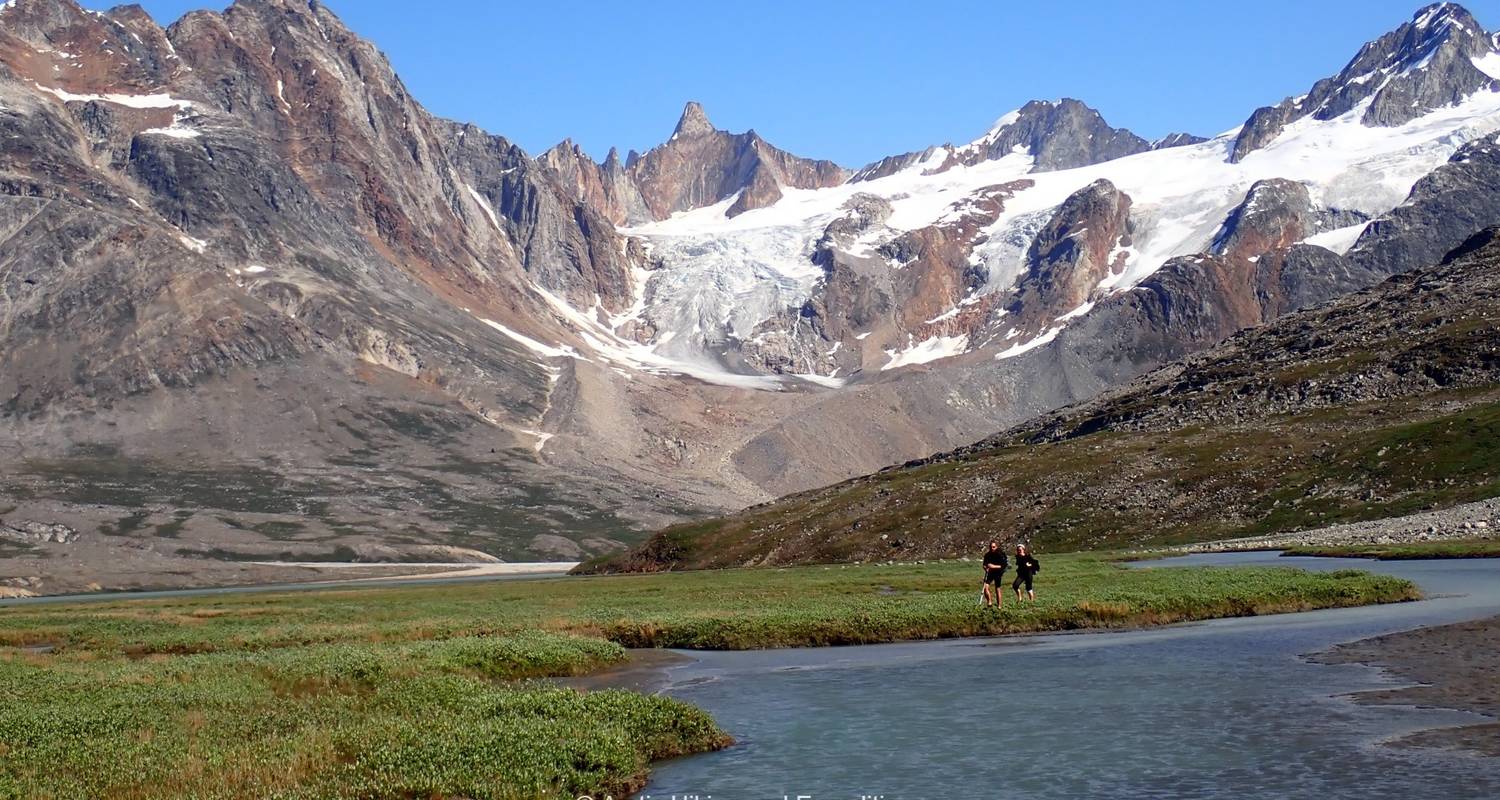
(1217, 709)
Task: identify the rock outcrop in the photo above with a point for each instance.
(1443, 209)
(1177, 140)
(1275, 213)
(1057, 135)
(1076, 250)
(33, 532)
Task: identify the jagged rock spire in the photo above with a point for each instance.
(694, 121)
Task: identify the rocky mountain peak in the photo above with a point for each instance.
(694, 121)
(1060, 134)
(1438, 59)
(604, 187)
(701, 165)
(1177, 140)
(61, 45)
(1436, 23)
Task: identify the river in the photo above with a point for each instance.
(1221, 709)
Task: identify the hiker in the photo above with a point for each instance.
(1026, 570)
(995, 564)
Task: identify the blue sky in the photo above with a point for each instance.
(853, 81)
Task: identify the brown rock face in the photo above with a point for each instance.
(1275, 214)
(936, 274)
(1071, 254)
(345, 123)
(701, 165)
(865, 307)
(66, 47)
(605, 187)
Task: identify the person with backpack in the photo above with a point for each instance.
(1026, 569)
(995, 564)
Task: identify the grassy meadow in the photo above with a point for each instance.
(434, 691)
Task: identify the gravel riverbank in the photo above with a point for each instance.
(1455, 666)
(1478, 520)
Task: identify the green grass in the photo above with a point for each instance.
(1458, 548)
(421, 691)
(334, 721)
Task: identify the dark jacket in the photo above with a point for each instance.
(996, 561)
(1026, 565)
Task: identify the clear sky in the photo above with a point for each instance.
(853, 81)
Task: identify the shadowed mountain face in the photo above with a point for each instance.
(257, 304)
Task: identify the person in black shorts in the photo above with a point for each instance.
(1026, 570)
(995, 564)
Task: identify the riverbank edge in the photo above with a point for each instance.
(1424, 657)
(646, 668)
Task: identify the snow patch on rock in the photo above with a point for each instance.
(927, 350)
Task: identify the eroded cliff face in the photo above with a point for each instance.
(607, 187)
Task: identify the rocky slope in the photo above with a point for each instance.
(245, 272)
(1374, 405)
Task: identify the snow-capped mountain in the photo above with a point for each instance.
(940, 253)
(245, 269)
